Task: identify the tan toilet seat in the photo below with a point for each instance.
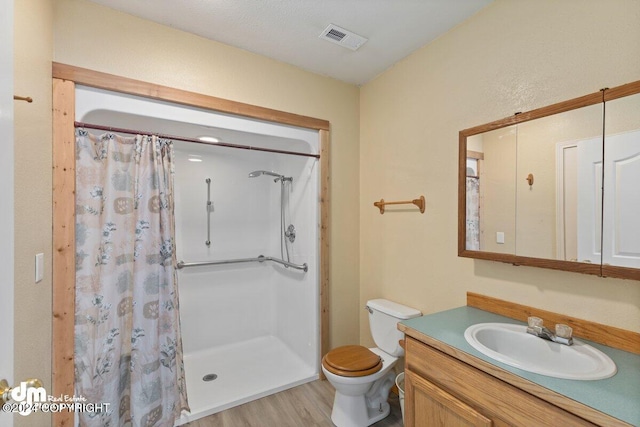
(352, 361)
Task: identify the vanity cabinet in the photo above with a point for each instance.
(441, 391)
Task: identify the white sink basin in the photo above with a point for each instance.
(511, 344)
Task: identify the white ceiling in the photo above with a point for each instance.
(288, 30)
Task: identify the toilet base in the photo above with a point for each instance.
(363, 410)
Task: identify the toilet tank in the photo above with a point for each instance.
(384, 316)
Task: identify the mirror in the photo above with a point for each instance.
(547, 188)
(491, 190)
(558, 215)
(621, 213)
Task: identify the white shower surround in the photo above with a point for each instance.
(254, 325)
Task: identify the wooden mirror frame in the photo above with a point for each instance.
(601, 96)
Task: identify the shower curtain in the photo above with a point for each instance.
(473, 214)
(128, 348)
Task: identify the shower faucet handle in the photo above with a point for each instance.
(290, 233)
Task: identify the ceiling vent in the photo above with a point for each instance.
(344, 38)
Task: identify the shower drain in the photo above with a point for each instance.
(209, 377)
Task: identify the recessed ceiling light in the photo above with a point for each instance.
(194, 158)
(208, 139)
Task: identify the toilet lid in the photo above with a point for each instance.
(352, 361)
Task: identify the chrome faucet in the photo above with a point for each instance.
(562, 335)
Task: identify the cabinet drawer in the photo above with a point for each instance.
(489, 396)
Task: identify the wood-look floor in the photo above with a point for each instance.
(308, 405)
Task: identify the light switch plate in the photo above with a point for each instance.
(500, 237)
(39, 267)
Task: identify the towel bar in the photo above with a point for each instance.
(420, 203)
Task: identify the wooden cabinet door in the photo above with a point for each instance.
(433, 407)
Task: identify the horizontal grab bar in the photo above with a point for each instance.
(260, 258)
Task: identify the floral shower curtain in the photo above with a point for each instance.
(128, 347)
(473, 214)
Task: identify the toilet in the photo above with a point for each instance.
(363, 376)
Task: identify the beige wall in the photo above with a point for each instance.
(512, 56)
(95, 37)
(32, 127)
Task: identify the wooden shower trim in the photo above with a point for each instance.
(64, 257)
(65, 78)
(83, 76)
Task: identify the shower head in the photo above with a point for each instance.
(258, 173)
(279, 177)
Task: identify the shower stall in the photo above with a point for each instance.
(247, 241)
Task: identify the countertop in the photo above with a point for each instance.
(618, 396)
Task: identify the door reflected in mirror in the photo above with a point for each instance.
(621, 214)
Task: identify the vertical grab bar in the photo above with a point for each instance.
(209, 210)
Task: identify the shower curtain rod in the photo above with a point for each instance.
(260, 258)
(197, 141)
